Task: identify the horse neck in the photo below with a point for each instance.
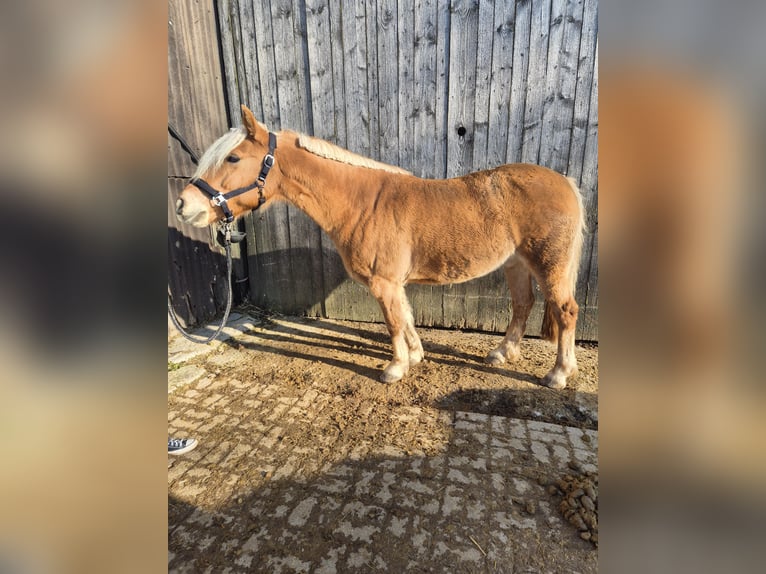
(320, 187)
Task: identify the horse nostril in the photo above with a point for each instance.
(179, 205)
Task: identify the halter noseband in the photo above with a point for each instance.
(219, 199)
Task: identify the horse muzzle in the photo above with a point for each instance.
(194, 211)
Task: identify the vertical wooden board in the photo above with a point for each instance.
(504, 32)
(179, 163)
(460, 303)
(561, 79)
(226, 30)
(426, 300)
(334, 280)
(274, 228)
(409, 107)
(566, 96)
(320, 68)
(239, 54)
(355, 66)
(305, 238)
(426, 305)
(536, 74)
(321, 80)
(201, 90)
(424, 88)
(249, 28)
(443, 25)
(585, 68)
(321, 76)
(349, 49)
(388, 81)
(340, 136)
(266, 76)
(371, 16)
(488, 89)
(306, 262)
(473, 291)
(269, 269)
(589, 177)
(464, 25)
(587, 327)
(494, 299)
(520, 71)
(265, 260)
(483, 82)
(296, 238)
(588, 278)
(551, 82)
(454, 306)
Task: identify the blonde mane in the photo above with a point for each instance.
(215, 155)
(333, 152)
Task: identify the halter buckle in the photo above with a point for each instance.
(218, 200)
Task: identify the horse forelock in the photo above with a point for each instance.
(327, 150)
(215, 155)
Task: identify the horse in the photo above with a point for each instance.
(392, 228)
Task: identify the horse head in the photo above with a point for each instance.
(231, 178)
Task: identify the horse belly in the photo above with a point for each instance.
(439, 269)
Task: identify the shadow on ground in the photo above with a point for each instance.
(478, 504)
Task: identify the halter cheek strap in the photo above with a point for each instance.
(219, 198)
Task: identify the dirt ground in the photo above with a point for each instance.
(307, 463)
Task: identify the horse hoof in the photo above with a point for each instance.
(494, 358)
(555, 382)
(416, 358)
(391, 374)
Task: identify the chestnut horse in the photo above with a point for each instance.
(392, 228)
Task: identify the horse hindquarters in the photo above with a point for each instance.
(557, 277)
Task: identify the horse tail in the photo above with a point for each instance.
(550, 327)
(573, 265)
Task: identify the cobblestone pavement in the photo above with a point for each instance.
(293, 478)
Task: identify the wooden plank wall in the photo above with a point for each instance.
(197, 109)
(439, 88)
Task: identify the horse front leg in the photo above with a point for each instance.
(392, 302)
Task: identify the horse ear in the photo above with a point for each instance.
(249, 121)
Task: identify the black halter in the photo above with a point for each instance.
(219, 199)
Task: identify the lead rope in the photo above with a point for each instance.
(227, 247)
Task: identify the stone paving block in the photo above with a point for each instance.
(184, 376)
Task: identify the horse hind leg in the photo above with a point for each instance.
(559, 324)
(522, 299)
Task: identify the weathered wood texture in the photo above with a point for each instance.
(439, 88)
(197, 109)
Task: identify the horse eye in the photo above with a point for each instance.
(232, 159)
